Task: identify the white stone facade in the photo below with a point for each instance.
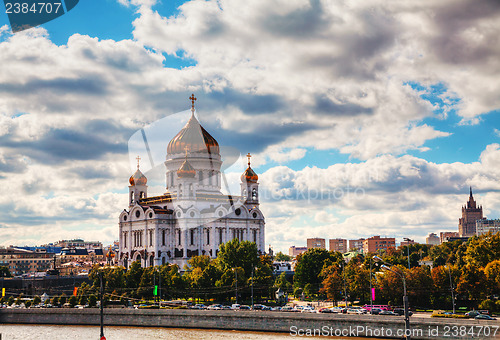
(193, 217)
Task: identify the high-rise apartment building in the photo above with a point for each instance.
(470, 214)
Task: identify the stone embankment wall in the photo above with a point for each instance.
(293, 323)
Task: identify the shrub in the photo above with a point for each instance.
(73, 301)
(92, 300)
(37, 300)
(488, 304)
(27, 304)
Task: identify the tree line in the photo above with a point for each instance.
(471, 269)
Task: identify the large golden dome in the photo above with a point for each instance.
(194, 138)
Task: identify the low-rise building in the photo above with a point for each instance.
(294, 251)
(407, 242)
(22, 261)
(432, 239)
(485, 226)
(444, 235)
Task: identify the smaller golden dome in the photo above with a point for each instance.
(186, 170)
(249, 175)
(138, 178)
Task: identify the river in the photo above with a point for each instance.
(39, 332)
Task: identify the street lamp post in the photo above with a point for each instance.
(252, 287)
(408, 248)
(371, 287)
(343, 275)
(452, 290)
(389, 267)
(236, 275)
(101, 291)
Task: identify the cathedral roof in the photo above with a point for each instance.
(194, 137)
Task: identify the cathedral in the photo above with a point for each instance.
(193, 217)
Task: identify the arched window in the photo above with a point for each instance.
(208, 237)
(254, 194)
(163, 237)
(171, 178)
(180, 190)
(210, 177)
(191, 193)
(192, 236)
(131, 197)
(220, 236)
(142, 195)
(255, 236)
(200, 176)
(179, 237)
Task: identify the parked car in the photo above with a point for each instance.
(387, 312)
(472, 314)
(225, 307)
(214, 307)
(198, 306)
(484, 317)
(339, 310)
(244, 307)
(235, 306)
(325, 310)
(401, 311)
(308, 309)
(258, 307)
(375, 311)
(354, 311)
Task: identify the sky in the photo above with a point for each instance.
(364, 118)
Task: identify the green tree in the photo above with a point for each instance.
(492, 272)
(62, 299)
(282, 282)
(309, 266)
(472, 282)
(483, 250)
(27, 304)
(282, 257)
(234, 254)
(4, 272)
(332, 283)
(10, 300)
(133, 275)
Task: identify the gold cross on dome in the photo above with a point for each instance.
(193, 99)
(138, 160)
(249, 156)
